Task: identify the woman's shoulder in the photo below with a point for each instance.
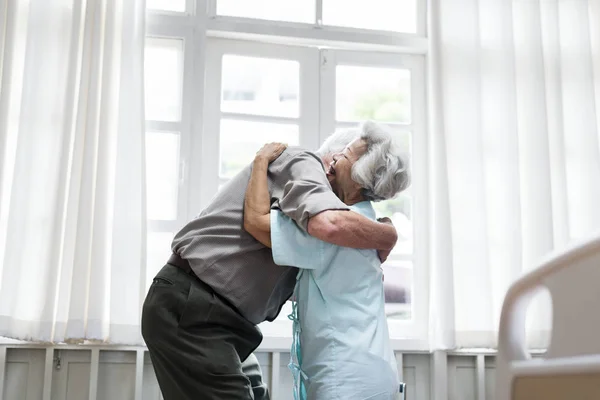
(364, 208)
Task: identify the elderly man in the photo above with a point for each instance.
(341, 347)
(200, 315)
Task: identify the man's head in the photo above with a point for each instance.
(364, 163)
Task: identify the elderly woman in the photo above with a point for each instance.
(341, 348)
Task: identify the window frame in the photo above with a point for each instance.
(307, 119)
(201, 30)
(416, 328)
(318, 31)
(172, 29)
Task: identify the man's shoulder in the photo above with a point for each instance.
(296, 150)
(299, 153)
(295, 160)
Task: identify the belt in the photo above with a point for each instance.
(183, 264)
(180, 263)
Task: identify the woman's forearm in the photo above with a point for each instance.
(257, 207)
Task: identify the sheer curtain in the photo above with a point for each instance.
(515, 153)
(72, 214)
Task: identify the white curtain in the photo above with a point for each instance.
(72, 213)
(515, 153)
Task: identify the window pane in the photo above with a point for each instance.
(399, 210)
(274, 10)
(158, 250)
(240, 140)
(162, 175)
(379, 94)
(163, 78)
(383, 15)
(260, 86)
(398, 278)
(166, 5)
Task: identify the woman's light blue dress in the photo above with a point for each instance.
(341, 347)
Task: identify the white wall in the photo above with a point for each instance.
(468, 377)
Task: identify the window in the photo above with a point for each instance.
(260, 86)
(386, 15)
(166, 5)
(162, 161)
(253, 96)
(274, 10)
(378, 15)
(388, 89)
(215, 96)
(240, 140)
(163, 66)
(263, 88)
(378, 93)
(167, 136)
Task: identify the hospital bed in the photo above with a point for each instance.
(570, 369)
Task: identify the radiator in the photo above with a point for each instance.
(90, 372)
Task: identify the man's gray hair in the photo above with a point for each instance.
(383, 170)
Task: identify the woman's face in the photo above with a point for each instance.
(340, 169)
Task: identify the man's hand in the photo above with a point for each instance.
(270, 151)
(385, 220)
(384, 254)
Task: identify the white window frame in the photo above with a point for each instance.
(412, 332)
(307, 119)
(191, 27)
(172, 29)
(206, 35)
(318, 34)
(182, 129)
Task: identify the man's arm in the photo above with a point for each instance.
(291, 245)
(350, 229)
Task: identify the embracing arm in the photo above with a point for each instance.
(309, 200)
(349, 229)
(257, 207)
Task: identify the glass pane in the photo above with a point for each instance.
(274, 10)
(399, 210)
(398, 278)
(240, 140)
(158, 250)
(260, 86)
(163, 78)
(378, 94)
(382, 15)
(166, 5)
(162, 175)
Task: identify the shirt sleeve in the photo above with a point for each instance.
(306, 190)
(292, 246)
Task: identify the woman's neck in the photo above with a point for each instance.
(352, 199)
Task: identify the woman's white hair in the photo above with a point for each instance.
(337, 141)
(383, 170)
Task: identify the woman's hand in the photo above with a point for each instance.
(270, 151)
(384, 254)
(257, 205)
